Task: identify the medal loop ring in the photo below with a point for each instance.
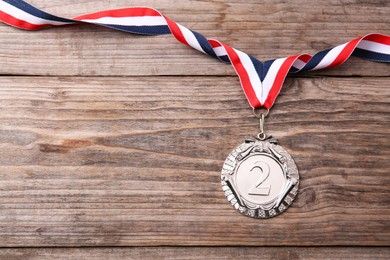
(261, 114)
(261, 135)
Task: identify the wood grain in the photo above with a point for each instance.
(109, 141)
(293, 253)
(127, 161)
(266, 29)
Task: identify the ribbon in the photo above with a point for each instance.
(261, 82)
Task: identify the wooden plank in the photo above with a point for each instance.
(287, 253)
(135, 161)
(268, 31)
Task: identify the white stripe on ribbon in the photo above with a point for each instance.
(270, 78)
(330, 57)
(21, 15)
(299, 64)
(190, 38)
(252, 73)
(129, 21)
(220, 51)
(374, 46)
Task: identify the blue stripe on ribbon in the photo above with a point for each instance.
(36, 12)
(370, 55)
(204, 43)
(293, 70)
(266, 65)
(146, 30)
(224, 58)
(257, 64)
(315, 60)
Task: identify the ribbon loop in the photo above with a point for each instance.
(261, 82)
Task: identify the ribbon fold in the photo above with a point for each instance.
(261, 82)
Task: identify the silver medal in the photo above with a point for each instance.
(259, 178)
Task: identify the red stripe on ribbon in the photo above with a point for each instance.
(118, 13)
(345, 53)
(243, 75)
(378, 38)
(215, 43)
(176, 31)
(9, 19)
(279, 79)
(305, 57)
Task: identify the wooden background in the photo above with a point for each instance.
(111, 144)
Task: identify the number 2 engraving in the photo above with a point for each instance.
(257, 190)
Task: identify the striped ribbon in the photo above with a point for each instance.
(261, 82)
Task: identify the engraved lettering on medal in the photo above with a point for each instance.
(257, 190)
(259, 179)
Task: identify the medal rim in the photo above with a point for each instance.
(289, 168)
